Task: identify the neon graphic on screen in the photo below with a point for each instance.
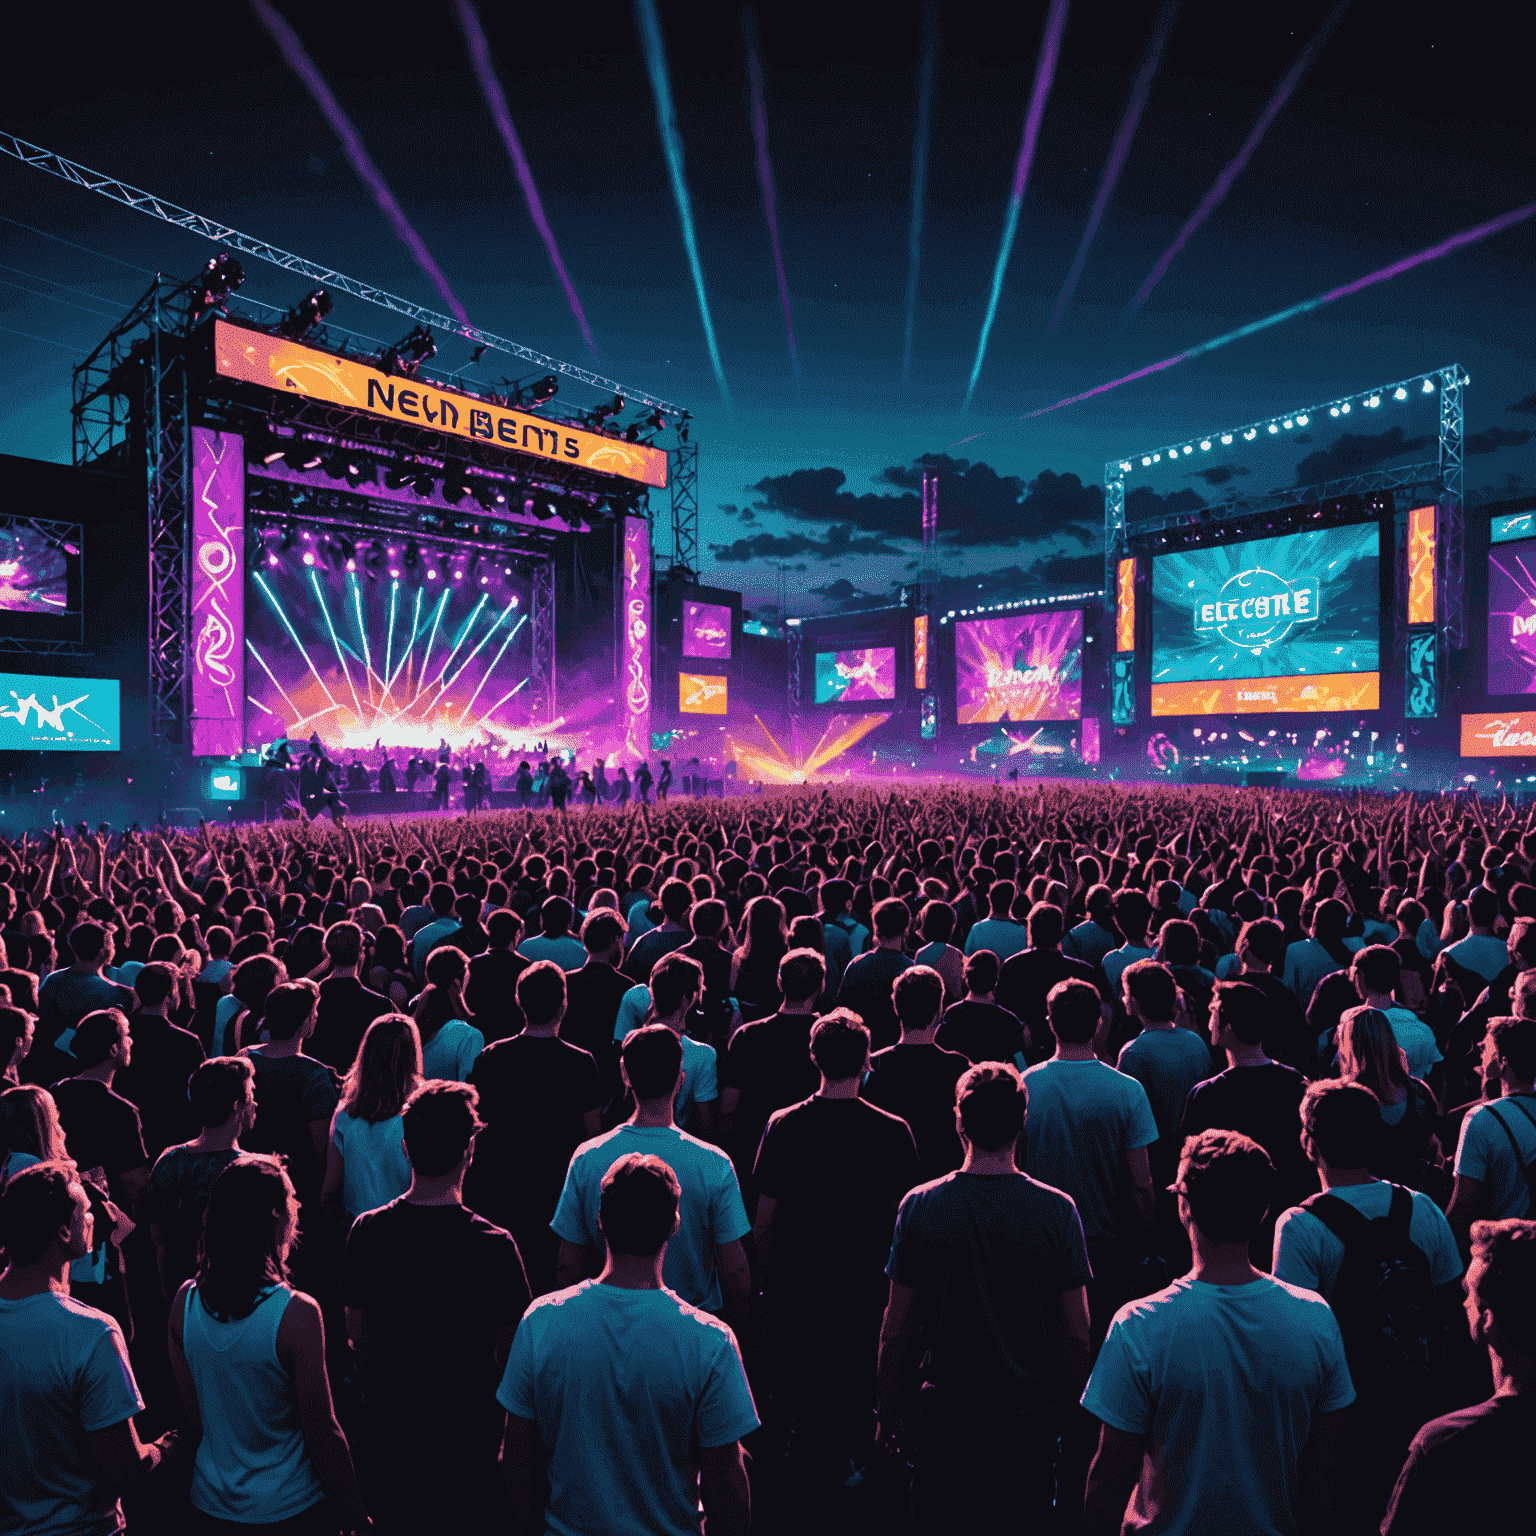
(218, 593)
(81, 714)
(847, 677)
(698, 695)
(1022, 667)
(707, 630)
(1421, 565)
(1512, 618)
(920, 652)
(34, 567)
(636, 661)
(1125, 605)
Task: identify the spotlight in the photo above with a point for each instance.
(1374, 401)
(613, 408)
(305, 315)
(455, 486)
(309, 557)
(476, 355)
(1344, 409)
(271, 559)
(544, 389)
(1399, 393)
(303, 456)
(431, 573)
(1301, 421)
(658, 423)
(214, 284)
(1226, 438)
(1250, 434)
(1333, 410)
(1205, 447)
(1145, 461)
(408, 355)
(398, 475)
(1429, 386)
(1287, 424)
(1157, 458)
(1273, 427)
(423, 484)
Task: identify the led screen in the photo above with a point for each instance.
(34, 566)
(1289, 624)
(845, 677)
(698, 695)
(1512, 618)
(58, 714)
(1027, 666)
(707, 630)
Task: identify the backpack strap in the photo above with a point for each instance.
(1339, 1216)
(1523, 1110)
(1400, 1213)
(1514, 1145)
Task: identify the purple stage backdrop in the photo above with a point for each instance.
(1091, 739)
(218, 593)
(1027, 666)
(707, 630)
(1512, 617)
(636, 658)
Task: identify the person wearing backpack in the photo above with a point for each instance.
(1383, 1257)
(1496, 1156)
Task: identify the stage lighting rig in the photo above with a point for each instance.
(305, 315)
(682, 426)
(303, 456)
(600, 414)
(533, 391)
(212, 287)
(455, 485)
(408, 354)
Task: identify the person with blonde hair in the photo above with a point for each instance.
(1370, 1055)
(367, 1166)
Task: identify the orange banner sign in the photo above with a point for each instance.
(1125, 605)
(1270, 695)
(1421, 565)
(701, 695)
(254, 357)
(1498, 735)
(920, 652)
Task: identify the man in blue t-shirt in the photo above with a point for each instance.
(1498, 1139)
(632, 1402)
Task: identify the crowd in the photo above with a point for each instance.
(1072, 1158)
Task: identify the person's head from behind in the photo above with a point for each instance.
(802, 975)
(1483, 907)
(676, 898)
(602, 935)
(541, 994)
(840, 1045)
(981, 970)
(708, 917)
(990, 1105)
(1151, 994)
(1375, 971)
(1340, 1123)
(386, 1070)
(154, 985)
(1100, 903)
(891, 919)
(555, 917)
(29, 1122)
(1132, 914)
(1509, 1054)
(91, 944)
(1001, 897)
(1368, 1051)
(1329, 921)
(45, 1215)
(1225, 1185)
(1239, 1014)
(291, 1008)
(918, 997)
(1073, 1009)
(938, 920)
(1261, 943)
(100, 1035)
(440, 899)
(652, 1062)
(677, 983)
(249, 1228)
(1500, 1285)
(255, 978)
(18, 1029)
(441, 1121)
(1046, 925)
(221, 1089)
(344, 944)
(835, 896)
(1178, 942)
(638, 1204)
(1521, 943)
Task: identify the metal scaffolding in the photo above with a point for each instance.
(683, 472)
(1452, 533)
(541, 669)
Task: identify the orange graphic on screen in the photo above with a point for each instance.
(1498, 735)
(920, 651)
(1270, 695)
(701, 695)
(1125, 606)
(1421, 565)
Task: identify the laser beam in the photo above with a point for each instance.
(765, 179)
(268, 670)
(389, 642)
(1045, 73)
(499, 702)
(1119, 148)
(921, 136)
(303, 66)
(1234, 167)
(1382, 275)
(649, 25)
(261, 582)
(495, 662)
(496, 102)
(314, 581)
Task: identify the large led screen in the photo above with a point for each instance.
(1027, 666)
(41, 597)
(707, 630)
(846, 677)
(1512, 617)
(697, 695)
(1290, 624)
(59, 714)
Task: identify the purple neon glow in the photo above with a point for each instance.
(1511, 608)
(1045, 73)
(34, 575)
(217, 715)
(770, 197)
(1141, 89)
(921, 137)
(1407, 264)
(1234, 168)
(1022, 667)
(303, 66)
(707, 630)
(496, 101)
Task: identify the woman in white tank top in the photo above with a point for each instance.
(248, 1352)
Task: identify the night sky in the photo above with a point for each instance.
(1408, 126)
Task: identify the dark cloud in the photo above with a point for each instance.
(1491, 439)
(1143, 502)
(840, 541)
(1353, 451)
(1525, 407)
(747, 515)
(840, 591)
(1218, 474)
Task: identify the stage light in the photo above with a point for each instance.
(1344, 409)
(423, 484)
(271, 559)
(1333, 410)
(455, 486)
(1287, 424)
(1205, 447)
(1157, 458)
(351, 565)
(309, 557)
(458, 575)
(394, 572)
(545, 389)
(218, 279)
(431, 574)
(1429, 389)
(1188, 449)
(514, 595)
(1374, 401)
(305, 315)
(397, 476)
(1145, 462)
(408, 354)
(1399, 393)
(1226, 438)
(1250, 434)
(1301, 421)
(1273, 427)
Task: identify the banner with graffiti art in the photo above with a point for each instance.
(59, 714)
(218, 593)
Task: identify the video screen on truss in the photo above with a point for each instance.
(40, 588)
(412, 646)
(59, 714)
(707, 631)
(847, 677)
(700, 695)
(1512, 617)
(1022, 666)
(1283, 625)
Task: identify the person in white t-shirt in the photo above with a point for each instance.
(67, 1393)
(1497, 1150)
(633, 1402)
(678, 981)
(1375, 971)
(1220, 1397)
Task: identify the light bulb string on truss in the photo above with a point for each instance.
(248, 245)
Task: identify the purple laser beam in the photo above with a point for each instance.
(1234, 168)
(921, 137)
(1141, 89)
(1045, 73)
(496, 101)
(765, 181)
(1407, 264)
(303, 66)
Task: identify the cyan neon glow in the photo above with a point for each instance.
(325, 612)
(495, 662)
(293, 635)
(920, 141)
(766, 183)
(1045, 73)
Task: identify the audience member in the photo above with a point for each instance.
(1027, 976)
(163, 1059)
(976, 1026)
(366, 1165)
(449, 1042)
(1496, 1156)
(866, 985)
(346, 1007)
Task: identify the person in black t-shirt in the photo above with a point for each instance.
(541, 1098)
(676, 898)
(1026, 977)
(1260, 950)
(915, 1079)
(101, 1128)
(164, 1059)
(491, 992)
(867, 983)
(988, 1287)
(976, 1026)
(593, 993)
(1456, 1460)
(433, 1294)
(347, 1007)
(829, 1175)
